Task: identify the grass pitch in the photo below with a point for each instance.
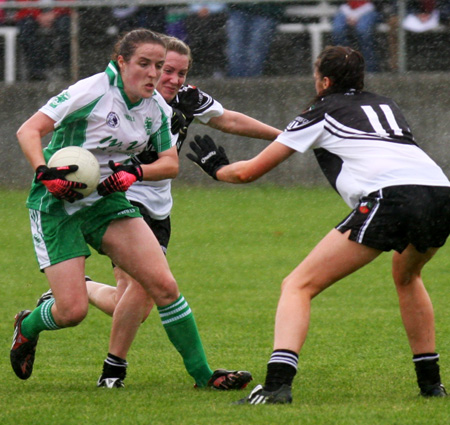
(231, 248)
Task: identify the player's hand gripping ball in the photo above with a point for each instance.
(122, 178)
(71, 174)
(208, 156)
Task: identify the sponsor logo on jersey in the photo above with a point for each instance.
(127, 211)
(112, 120)
(297, 123)
(62, 97)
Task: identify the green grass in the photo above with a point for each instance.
(231, 248)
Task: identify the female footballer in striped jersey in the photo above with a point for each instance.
(400, 200)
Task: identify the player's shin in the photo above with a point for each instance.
(179, 323)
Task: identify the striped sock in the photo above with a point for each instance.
(427, 369)
(114, 367)
(40, 319)
(281, 369)
(179, 323)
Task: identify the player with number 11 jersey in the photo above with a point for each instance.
(362, 143)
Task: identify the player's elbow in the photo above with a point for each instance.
(174, 170)
(245, 175)
(172, 167)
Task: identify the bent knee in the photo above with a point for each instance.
(403, 278)
(304, 286)
(72, 316)
(165, 291)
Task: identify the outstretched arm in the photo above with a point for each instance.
(237, 123)
(252, 169)
(213, 160)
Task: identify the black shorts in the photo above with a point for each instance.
(160, 228)
(393, 217)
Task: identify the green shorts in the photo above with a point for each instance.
(60, 238)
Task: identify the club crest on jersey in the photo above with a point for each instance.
(365, 207)
(112, 120)
(297, 123)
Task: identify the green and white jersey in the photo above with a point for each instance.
(96, 114)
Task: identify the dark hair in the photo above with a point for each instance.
(174, 44)
(128, 43)
(343, 66)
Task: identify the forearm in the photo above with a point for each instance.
(234, 173)
(236, 123)
(163, 168)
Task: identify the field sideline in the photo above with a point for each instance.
(230, 249)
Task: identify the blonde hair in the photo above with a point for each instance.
(176, 45)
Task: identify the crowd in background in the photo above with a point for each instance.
(227, 39)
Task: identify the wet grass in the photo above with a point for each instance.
(231, 248)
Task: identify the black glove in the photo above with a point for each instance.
(179, 122)
(122, 178)
(54, 179)
(189, 99)
(148, 156)
(209, 157)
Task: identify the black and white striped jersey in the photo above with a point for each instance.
(362, 143)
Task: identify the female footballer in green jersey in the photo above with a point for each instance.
(154, 201)
(112, 114)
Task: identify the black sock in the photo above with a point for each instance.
(281, 369)
(427, 369)
(114, 367)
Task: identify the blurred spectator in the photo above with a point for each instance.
(176, 22)
(206, 36)
(150, 17)
(361, 17)
(422, 15)
(95, 36)
(3, 14)
(44, 36)
(250, 29)
(444, 9)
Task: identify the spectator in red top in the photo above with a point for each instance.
(44, 36)
(2, 14)
(360, 16)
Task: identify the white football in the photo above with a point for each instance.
(88, 167)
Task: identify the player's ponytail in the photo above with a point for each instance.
(343, 66)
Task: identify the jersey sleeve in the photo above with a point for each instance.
(197, 104)
(208, 109)
(77, 101)
(304, 132)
